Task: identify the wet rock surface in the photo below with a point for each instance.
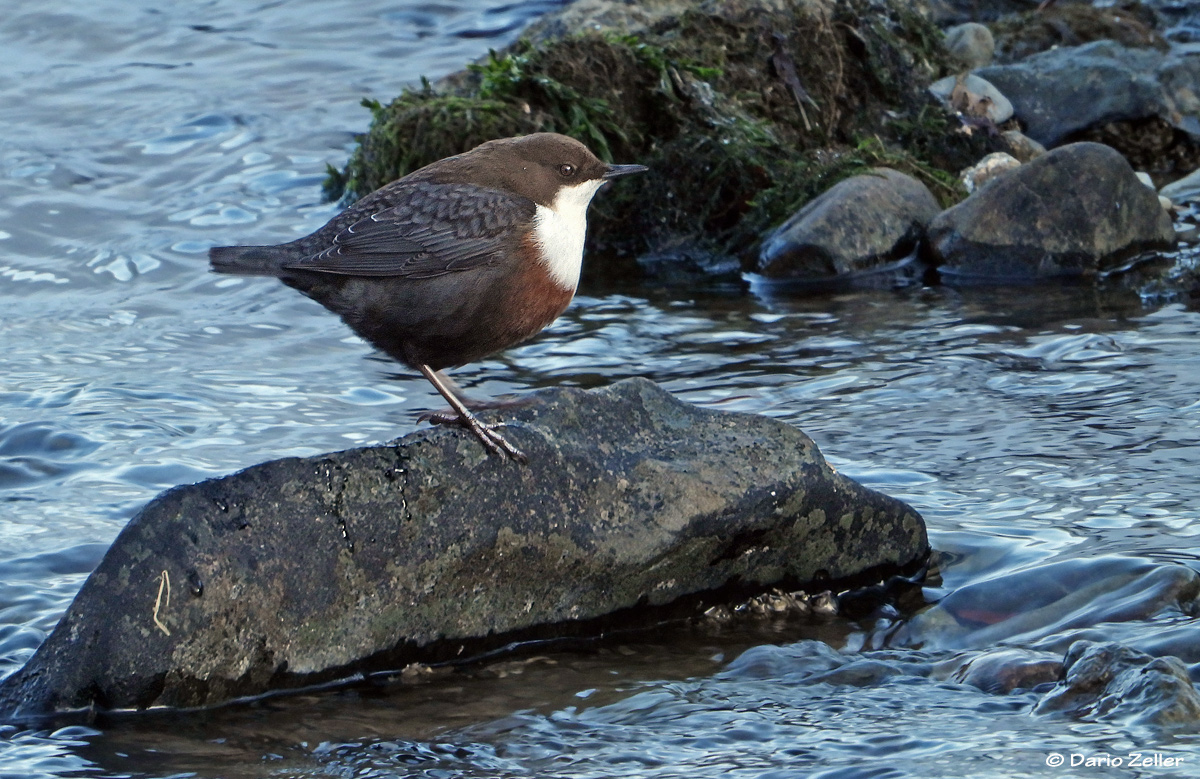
(855, 226)
(301, 571)
(1074, 211)
(1006, 670)
(685, 264)
(1114, 683)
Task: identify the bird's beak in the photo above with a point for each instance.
(623, 170)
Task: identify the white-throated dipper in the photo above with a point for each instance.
(455, 261)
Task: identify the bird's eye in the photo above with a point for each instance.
(566, 170)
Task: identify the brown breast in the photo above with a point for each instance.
(534, 299)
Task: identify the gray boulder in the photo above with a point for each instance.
(634, 507)
(855, 226)
(1062, 91)
(1074, 211)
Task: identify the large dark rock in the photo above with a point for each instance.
(1064, 91)
(299, 571)
(855, 226)
(1075, 211)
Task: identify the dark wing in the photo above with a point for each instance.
(427, 230)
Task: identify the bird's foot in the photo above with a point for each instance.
(450, 416)
(486, 432)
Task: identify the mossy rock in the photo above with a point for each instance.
(743, 110)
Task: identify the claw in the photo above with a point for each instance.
(494, 441)
(484, 431)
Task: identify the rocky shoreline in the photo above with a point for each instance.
(770, 155)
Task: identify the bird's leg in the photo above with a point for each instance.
(486, 433)
(450, 416)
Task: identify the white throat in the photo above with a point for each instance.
(560, 229)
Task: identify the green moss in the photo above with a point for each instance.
(743, 111)
(417, 128)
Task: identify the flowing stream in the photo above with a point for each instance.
(1051, 439)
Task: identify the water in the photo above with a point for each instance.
(1049, 438)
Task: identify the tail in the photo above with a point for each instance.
(248, 260)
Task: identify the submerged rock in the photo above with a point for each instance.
(1004, 670)
(1045, 602)
(688, 263)
(635, 506)
(1114, 683)
(857, 225)
(1074, 211)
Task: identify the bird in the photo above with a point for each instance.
(456, 261)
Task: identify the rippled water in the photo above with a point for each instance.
(1051, 439)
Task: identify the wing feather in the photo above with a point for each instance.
(425, 231)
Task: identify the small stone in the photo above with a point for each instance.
(719, 613)
(987, 169)
(971, 44)
(415, 671)
(973, 97)
(1022, 146)
(1166, 203)
(1144, 177)
(824, 603)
